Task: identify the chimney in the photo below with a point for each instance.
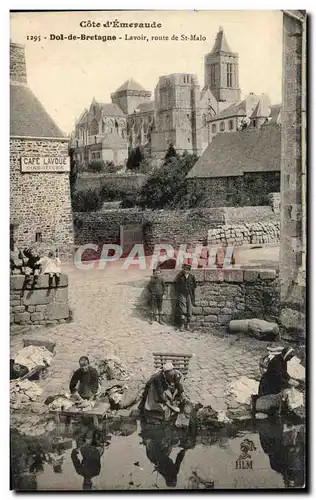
(17, 63)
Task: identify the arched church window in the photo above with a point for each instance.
(230, 125)
(94, 128)
(222, 126)
(204, 120)
(214, 128)
(229, 75)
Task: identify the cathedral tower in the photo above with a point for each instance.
(221, 72)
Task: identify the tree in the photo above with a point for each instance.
(171, 153)
(134, 159)
(167, 185)
(73, 174)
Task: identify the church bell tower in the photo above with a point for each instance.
(221, 71)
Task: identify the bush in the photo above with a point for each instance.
(167, 187)
(89, 200)
(96, 166)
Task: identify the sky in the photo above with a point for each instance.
(66, 75)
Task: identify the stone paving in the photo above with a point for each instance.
(106, 320)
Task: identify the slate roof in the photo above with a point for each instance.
(111, 109)
(146, 106)
(257, 112)
(131, 85)
(236, 109)
(235, 153)
(220, 44)
(28, 117)
(275, 114)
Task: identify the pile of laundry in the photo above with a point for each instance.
(22, 393)
(32, 356)
(62, 402)
(112, 368)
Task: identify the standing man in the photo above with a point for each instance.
(85, 381)
(185, 286)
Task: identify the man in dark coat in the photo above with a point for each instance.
(185, 286)
(87, 378)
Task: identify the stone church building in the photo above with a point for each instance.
(181, 113)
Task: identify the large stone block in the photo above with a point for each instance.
(233, 275)
(61, 294)
(292, 319)
(211, 318)
(36, 297)
(167, 307)
(57, 311)
(251, 275)
(213, 275)
(18, 309)
(268, 274)
(37, 316)
(22, 317)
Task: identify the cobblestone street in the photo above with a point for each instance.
(106, 320)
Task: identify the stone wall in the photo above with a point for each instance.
(171, 227)
(17, 63)
(245, 234)
(39, 306)
(250, 189)
(89, 180)
(229, 294)
(242, 215)
(40, 202)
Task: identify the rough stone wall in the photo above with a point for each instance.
(291, 180)
(40, 306)
(251, 189)
(242, 215)
(225, 295)
(40, 202)
(17, 63)
(87, 180)
(245, 234)
(171, 227)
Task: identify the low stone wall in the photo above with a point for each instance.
(91, 180)
(242, 215)
(245, 234)
(38, 306)
(174, 227)
(228, 294)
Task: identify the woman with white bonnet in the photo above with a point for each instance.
(276, 378)
(163, 393)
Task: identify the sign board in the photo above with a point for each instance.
(45, 164)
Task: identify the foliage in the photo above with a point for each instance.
(89, 200)
(134, 159)
(96, 166)
(73, 174)
(167, 186)
(145, 166)
(171, 152)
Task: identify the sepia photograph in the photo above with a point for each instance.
(158, 249)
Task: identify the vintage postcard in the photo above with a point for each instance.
(157, 250)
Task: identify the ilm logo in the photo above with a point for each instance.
(244, 464)
(244, 460)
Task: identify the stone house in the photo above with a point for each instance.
(239, 169)
(40, 204)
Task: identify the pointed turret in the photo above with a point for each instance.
(221, 44)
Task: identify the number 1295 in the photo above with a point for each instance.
(34, 38)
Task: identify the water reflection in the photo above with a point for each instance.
(285, 447)
(82, 452)
(159, 443)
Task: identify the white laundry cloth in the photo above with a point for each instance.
(50, 265)
(243, 388)
(32, 356)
